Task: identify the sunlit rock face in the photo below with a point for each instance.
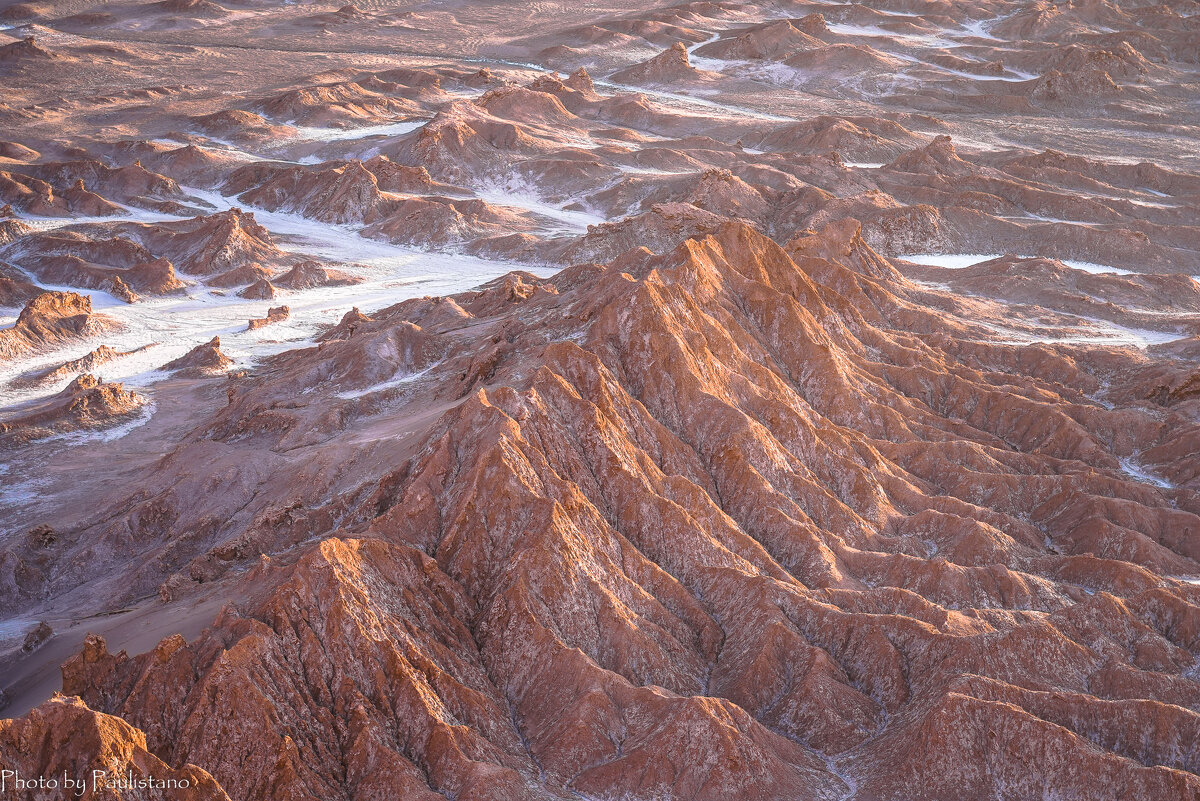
(636, 401)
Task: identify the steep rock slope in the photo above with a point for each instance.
(732, 521)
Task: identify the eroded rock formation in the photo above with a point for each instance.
(698, 524)
(52, 318)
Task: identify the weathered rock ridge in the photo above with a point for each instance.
(738, 520)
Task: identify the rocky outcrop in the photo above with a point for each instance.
(661, 228)
(844, 59)
(262, 289)
(211, 244)
(343, 103)
(669, 66)
(341, 194)
(64, 738)
(202, 360)
(1085, 85)
(1123, 62)
(867, 138)
(116, 265)
(310, 274)
(193, 165)
(89, 363)
(243, 276)
(716, 501)
(937, 158)
(769, 41)
(128, 183)
(11, 229)
(275, 314)
(447, 221)
(35, 196)
(393, 177)
(239, 124)
(25, 52)
(51, 319)
(85, 403)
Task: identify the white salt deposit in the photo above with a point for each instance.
(392, 383)
(347, 134)
(15, 628)
(518, 194)
(1137, 471)
(958, 261)
(390, 273)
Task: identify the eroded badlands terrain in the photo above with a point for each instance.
(495, 401)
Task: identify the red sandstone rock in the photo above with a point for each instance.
(773, 40)
(36, 196)
(63, 737)
(309, 274)
(201, 360)
(346, 193)
(262, 289)
(87, 402)
(238, 124)
(1079, 86)
(212, 244)
(274, 315)
(89, 363)
(15, 288)
(667, 67)
(24, 51)
(558, 557)
(52, 318)
(132, 182)
(702, 516)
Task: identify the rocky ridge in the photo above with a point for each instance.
(633, 457)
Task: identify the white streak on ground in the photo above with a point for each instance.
(15, 628)
(391, 383)
(673, 98)
(958, 261)
(343, 134)
(1137, 471)
(518, 194)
